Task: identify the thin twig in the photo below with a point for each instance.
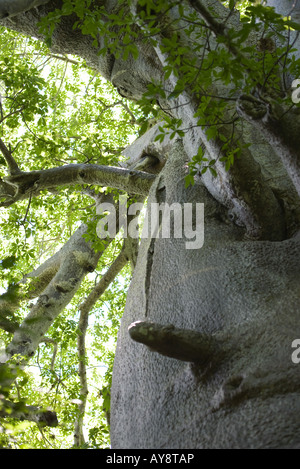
(27, 210)
(104, 282)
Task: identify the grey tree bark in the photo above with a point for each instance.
(243, 390)
(9, 8)
(209, 366)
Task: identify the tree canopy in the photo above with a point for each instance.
(56, 111)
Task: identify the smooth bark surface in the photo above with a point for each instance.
(245, 295)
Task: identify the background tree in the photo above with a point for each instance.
(45, 108)
(220, 86)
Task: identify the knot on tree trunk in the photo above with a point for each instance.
(181, 344)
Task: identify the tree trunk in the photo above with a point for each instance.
(245, 295)
(236, 299)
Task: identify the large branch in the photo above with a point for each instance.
(39, 278)
(78, 260)
(280, 131)
(220, 20)
(31, 286)
(75, 259)
(32, 182)
(9, 304)
(18, 410)
(14, 7)
(8, 325)
(223, 188)
(7, 194)
(214, 14)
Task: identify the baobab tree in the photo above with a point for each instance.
(205, 355)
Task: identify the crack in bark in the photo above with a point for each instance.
(149, 263)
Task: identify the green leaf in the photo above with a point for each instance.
(8, 262)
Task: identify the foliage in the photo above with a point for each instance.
(56, 111)
(233, 60)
